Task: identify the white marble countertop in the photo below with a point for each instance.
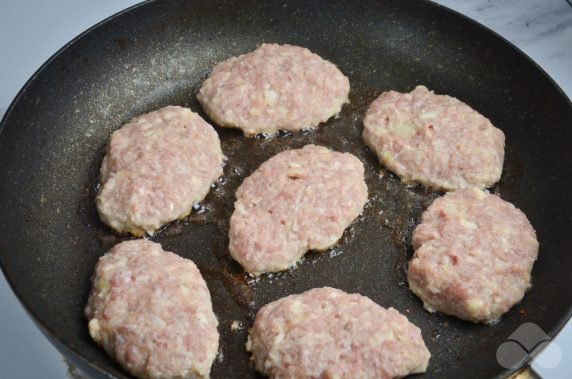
(32, 30)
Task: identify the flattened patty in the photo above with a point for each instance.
(298, 200)
(156, 167)
(474, 254)
(275, 87)
(435, 140)
(151, 311)
(327, 333)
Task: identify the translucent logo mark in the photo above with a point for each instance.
(527, 341)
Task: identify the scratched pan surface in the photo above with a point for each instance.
(54, 135)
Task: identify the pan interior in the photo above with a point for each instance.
(54, 136)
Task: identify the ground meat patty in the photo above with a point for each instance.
(435, 140)
(157, 166)
(296, 201)
(327, 333)
(275, 87)
(473, 256)
(151, 311)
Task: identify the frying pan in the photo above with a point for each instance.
(53, 139)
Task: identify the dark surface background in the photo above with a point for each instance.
(158, 54)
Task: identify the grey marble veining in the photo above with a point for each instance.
(540, 28)
(523, 21)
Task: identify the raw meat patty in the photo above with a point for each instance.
(275, 87)
(157, 166)
(296, 201)
(327, 333)
(473, 256)
(435, 140)
(151, 310)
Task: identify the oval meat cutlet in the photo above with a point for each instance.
(327, 333)
(275, 87)
(435, 140)
(151, 311)
(156, 167)
(474, 254)
(296, 201)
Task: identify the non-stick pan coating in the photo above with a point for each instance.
(54, 136)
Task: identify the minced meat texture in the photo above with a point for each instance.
(298, 200)
(275, 87)
(474, 254)
(435, 140)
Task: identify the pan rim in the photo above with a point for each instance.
(53, 335)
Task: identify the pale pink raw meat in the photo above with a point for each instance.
(327, 333)
(435, 140)
(296, 201)
(474, 254)
(156, 167)
(275, 87)
(151, 311)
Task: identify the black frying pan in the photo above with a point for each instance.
(54, 135)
